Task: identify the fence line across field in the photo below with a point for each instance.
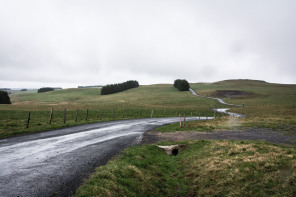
(115, 115)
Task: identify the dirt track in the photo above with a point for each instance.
(278, 137)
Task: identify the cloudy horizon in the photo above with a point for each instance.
(73, 42)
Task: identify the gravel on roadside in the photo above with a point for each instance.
(266, 134)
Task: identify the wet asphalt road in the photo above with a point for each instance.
(54, 163)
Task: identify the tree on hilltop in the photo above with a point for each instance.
(181, 85)
(4, 98)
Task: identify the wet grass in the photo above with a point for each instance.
(163, 100)
(202, 168)
(146, 97)
(272, 105)
(269, 106)
(13, 122)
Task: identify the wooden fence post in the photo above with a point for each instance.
(28, 121)
(86, 116)
(51, 114)
(180, 121)
(151, 113)
(199, 116)
(157, 113)
(64, 115)
(184, 119)
(76, 117)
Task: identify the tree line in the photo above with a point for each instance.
(119, 87)
(4, 98)
(45, 90)
(181, 84)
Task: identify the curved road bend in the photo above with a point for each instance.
(54, 163)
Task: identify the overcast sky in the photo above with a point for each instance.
(67, 43)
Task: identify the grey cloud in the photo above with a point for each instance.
(98, 42)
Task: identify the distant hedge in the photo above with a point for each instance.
(45, 90)
(119, 87)
(181, 84)
(4, 98)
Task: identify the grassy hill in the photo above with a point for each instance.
(164, 100)
(202, 168)
(268, 105)
(151, 96)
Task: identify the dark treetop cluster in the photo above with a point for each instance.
(181, 84)
(119, 87)
(45, 90)
(4, 98)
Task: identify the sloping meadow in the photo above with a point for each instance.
(267, 105)
(202, 168)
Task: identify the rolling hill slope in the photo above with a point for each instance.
(267, 105)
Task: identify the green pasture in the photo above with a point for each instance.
(202, 168)
(268, 105)
(163, 100)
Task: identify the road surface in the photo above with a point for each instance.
(54, 163)
(221, 110)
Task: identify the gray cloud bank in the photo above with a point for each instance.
(83, 42)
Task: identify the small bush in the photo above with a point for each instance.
(181, 84)
(4, 98)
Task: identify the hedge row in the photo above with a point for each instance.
(119, 87)
(45, 90)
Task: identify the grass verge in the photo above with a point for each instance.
(202, 168)
(218, 124)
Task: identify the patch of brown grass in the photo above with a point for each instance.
(233, 168)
